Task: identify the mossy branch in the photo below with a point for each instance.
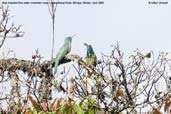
(32, 67)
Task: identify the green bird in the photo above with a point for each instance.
(63, 51)
(90, 58)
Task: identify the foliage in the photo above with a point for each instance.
(113, 86)
(87, 106)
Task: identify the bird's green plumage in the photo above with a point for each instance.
(91, 58)
(63, 51)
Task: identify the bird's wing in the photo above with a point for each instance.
(64, 50)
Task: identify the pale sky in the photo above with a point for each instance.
(134, 23)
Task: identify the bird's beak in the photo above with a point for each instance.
(85, 44)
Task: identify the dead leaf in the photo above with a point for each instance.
(44, 106)
(34, 103)
(25, 107)
(28, 112)
(167, 104)
(55, 104)
(70, 91)
(118, 93)
(156, 111)
(18, 111)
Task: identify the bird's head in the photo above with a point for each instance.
(85, 44)
(88, 46)
(90, 50)
(68, 39)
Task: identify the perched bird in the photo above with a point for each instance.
(91, 58)
(63, 51)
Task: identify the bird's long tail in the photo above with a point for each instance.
(56, 67)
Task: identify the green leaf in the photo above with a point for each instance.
(34, 112)
(66, 108)
(92, 111)
(77, 109)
